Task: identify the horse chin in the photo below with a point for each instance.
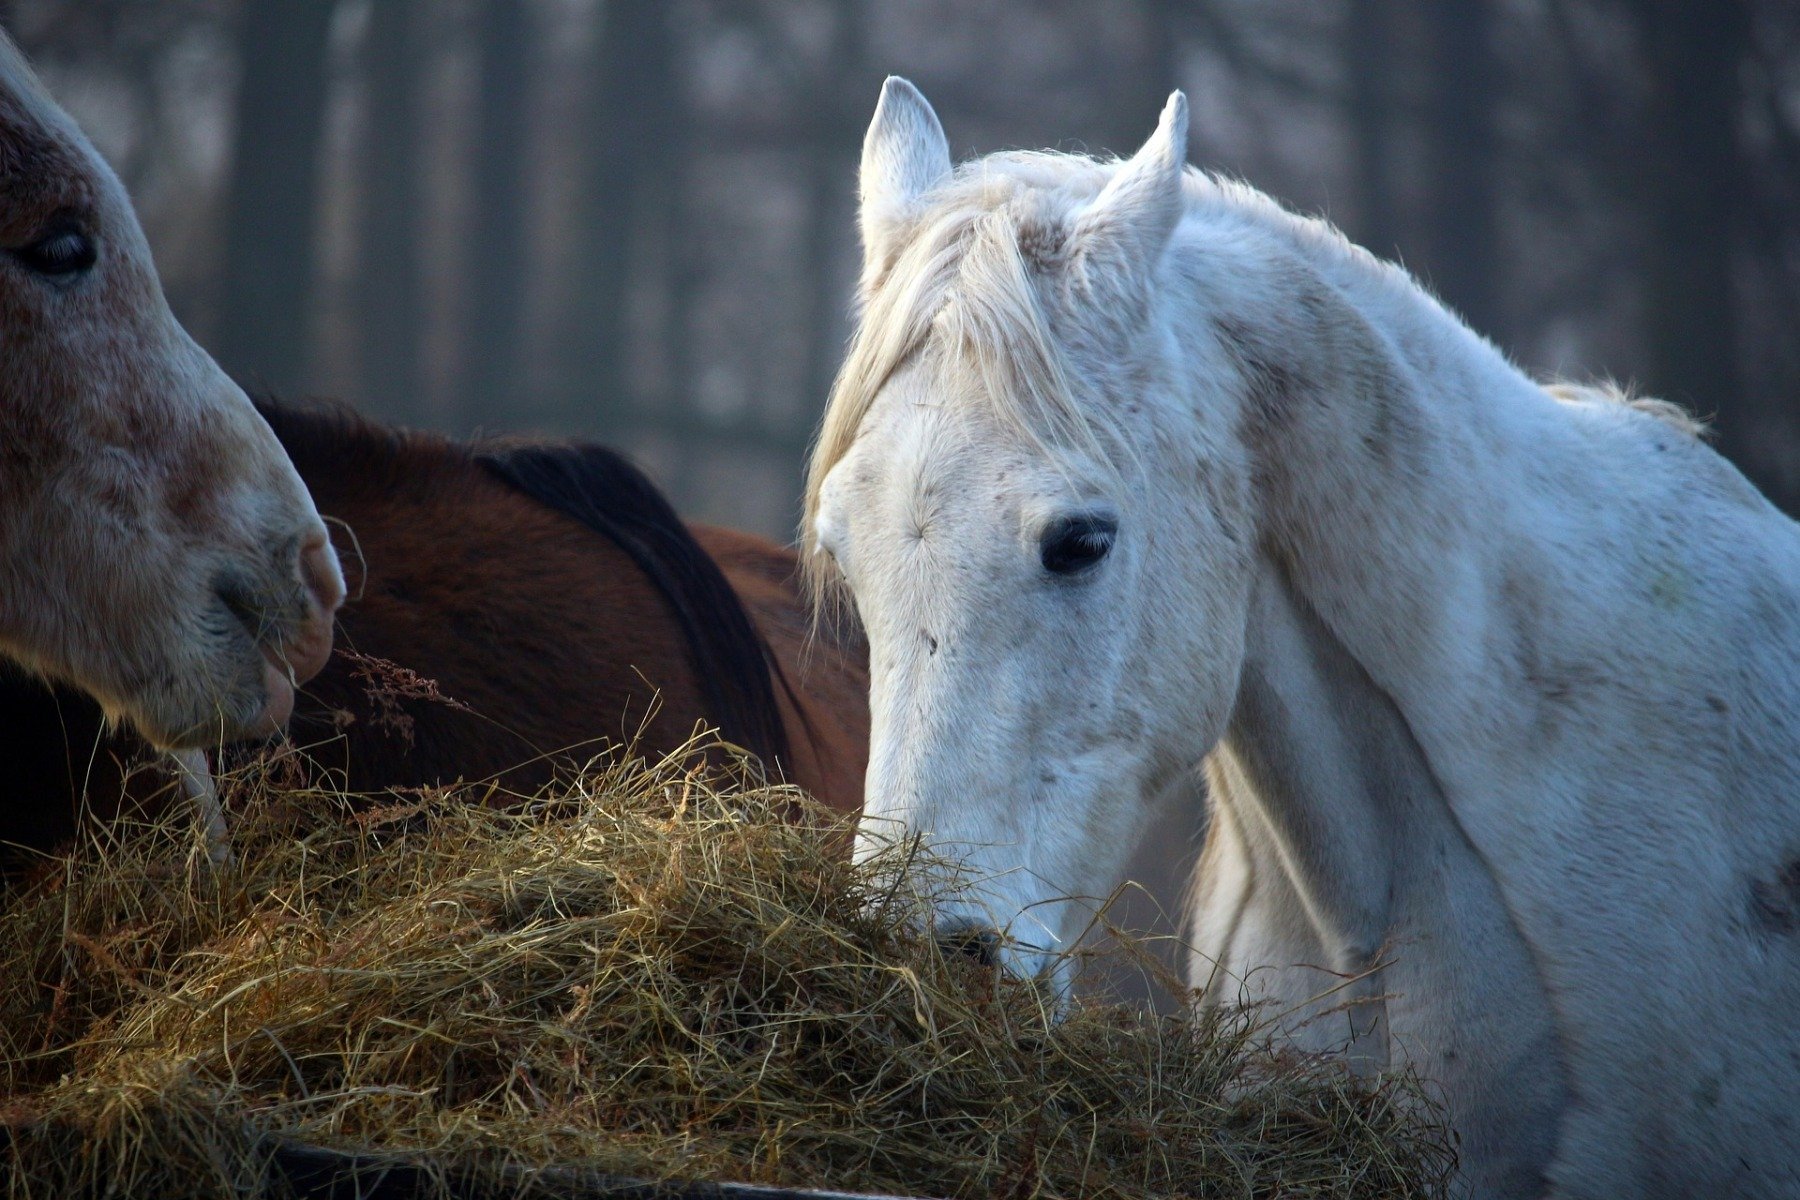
(253, 693)
(270, 715)
(233, 701)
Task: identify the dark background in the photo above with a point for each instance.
(633, 219)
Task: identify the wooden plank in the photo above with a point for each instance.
(317, 1173)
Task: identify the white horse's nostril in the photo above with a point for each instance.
(975, 939)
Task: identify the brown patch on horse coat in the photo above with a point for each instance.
(1273, 391)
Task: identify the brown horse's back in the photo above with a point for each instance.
(492, 634)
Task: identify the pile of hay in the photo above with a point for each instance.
(653, 975)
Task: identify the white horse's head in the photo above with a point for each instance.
(1008, 465)
(156, 546)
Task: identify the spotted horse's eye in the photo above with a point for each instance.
(61, 252)
(1073, 544)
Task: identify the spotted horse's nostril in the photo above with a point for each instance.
(306, 646)
(971, 939)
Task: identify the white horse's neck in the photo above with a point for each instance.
(1390, 443)
(1377, 689)
(1520, 676)
(1334, 857)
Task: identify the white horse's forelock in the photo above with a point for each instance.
(965, 287)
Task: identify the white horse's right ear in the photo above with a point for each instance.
(904, 156)
(1130, 221)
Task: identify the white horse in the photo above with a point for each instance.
(157, 547)
(1497, 687)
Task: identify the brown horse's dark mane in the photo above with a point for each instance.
(604, 492)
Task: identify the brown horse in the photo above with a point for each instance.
(156, 547)
(514, 607)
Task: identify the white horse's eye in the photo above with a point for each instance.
(1073, 544)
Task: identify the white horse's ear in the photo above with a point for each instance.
(904, 156)
(1129, 223)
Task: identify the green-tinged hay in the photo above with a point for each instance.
(651, 974)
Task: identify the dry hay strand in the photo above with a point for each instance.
(651, 973)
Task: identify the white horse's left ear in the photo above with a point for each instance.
(904, 156)
(1129, 223)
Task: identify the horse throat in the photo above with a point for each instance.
(1297, 867)
(1337, 888)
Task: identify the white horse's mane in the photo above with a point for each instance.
(1608, 392)
(968, 275)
